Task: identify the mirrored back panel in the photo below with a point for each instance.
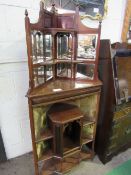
(87, 44)
(64, 70)
(41, 46)
(64, 46)
(42, 74)
(85, 71)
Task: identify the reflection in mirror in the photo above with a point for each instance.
(49, 72)
(93, 9)
(39, 76)
(88, 8)
(64, 70)
(85, 71)
(42, 74)
(41, 46)
(47, 47)
(87, 46)
(64, 46)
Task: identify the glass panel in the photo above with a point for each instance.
(64, 70)
(87, 46)
(47, 47)
(49, 72)
(41, 46)
(42, 74)
(85, 71)
(39, 76)
(64, 46)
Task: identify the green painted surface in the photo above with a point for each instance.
(124, 169)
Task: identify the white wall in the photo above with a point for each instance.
(14, 119)
(112, 25)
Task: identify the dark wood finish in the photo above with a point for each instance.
(52, 23)
(64, 115)
(54, 81)
(110, 131)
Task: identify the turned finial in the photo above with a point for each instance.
(53, 9)
(26, 13)
(42, 5)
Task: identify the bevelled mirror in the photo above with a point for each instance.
(64, 46)
(85, 71)
(89, 8)
(64, 70)
(47, 46)
(42, 74)
(41, 47)
(87, 44)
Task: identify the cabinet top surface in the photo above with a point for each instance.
(61, 86)
(62, 114)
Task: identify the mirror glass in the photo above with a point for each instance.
(89, 8)
(64, 70)
(64, 46)
(42, 74)
(41, 47)
(87, 44)
(85, 71)
(47, 47)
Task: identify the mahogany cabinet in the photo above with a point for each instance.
(114, 121)
(64, 89)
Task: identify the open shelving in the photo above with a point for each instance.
(64, 89)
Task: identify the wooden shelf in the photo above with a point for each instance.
(86, 140)
(60, 30)
(45, 135)
(86, 155)
(65, 114)
(58, 60)
(48, 154)
(63, 166)
(70, 146)
(69, 150)
(48, 167)
(89, 119)
(87, 122)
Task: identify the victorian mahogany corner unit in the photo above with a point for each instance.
(64, 89)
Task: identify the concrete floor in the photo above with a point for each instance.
(24, 165)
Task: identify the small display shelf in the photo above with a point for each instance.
(66, 121)
(87, 121)
(86, 140)
(45, 135)
(44, 150)
(48, 154)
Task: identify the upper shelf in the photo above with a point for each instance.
(60, 22)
